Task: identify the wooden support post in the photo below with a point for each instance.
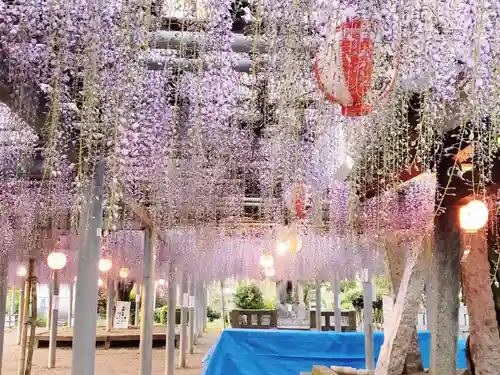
(110, 302)
(84, 332)
(26, 322)
(71, 299)
(3, 303)
(319, 321)
(20, 320)
(54, 316)
(31, 342)
(336, 303)
(171, 312)
(184, 297)
(146, 343)
(138, 291)
(484, 339)
(368, 317)
(192, 317)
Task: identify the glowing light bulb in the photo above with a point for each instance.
(22, 271)
(123, 273)
(473, 216)
(105, 265)
(283, 247)
(100, 282)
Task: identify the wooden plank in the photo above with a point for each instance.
(322, 370)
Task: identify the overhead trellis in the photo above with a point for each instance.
(211, 116)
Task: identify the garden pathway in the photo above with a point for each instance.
(108, 362)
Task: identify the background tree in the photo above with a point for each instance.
(248, 296)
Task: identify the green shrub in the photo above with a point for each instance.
(41, 322)
(160, 315)
(248, 297)
(212, 314)
(270, 304)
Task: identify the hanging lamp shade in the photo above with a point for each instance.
(344, 65)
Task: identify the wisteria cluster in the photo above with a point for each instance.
(210, 129)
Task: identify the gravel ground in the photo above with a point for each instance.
(108, 362)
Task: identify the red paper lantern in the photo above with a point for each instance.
(344, 66)
(301, 200)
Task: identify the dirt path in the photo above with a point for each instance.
(108, 362)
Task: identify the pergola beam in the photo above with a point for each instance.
(240, 26)
(193, 41)
(196, 41)
(193, 65)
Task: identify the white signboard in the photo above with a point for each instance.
(55, 302)
(122, 315)
(185, 300)
(191, 301)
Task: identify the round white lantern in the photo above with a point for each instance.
(56, 260)
(21, 271)
(266, 260)
(123, 272)
(105, 264)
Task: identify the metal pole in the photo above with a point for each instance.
(110, 286)
(318, 305)
(3, 305)
(205, 299)
(192, 317)
(49, 309)
(20, 320)
(171, 303)
(368, 318)
(184, 316)
(137, 304)
(70, 311)
(146, 343)
(200, 309)
(53, 318)
(13, 301)
(336, 302)
(155, 293)
(223, 304)
(84, 337)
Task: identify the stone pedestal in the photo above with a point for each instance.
(484, 339)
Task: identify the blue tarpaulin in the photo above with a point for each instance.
(273, 352)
